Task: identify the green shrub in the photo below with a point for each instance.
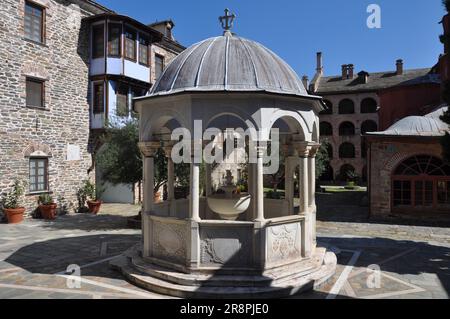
(12, 199)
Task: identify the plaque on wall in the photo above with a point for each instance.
(73, 153)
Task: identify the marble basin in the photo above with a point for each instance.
(229, 208)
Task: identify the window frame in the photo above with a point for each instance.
(121, 86)
(35, 5)
(94, 53)
(126, 39)
(110, 26)
(42, 84)
(147, 46)
(95, 109)
(46, 175)
(162, 57)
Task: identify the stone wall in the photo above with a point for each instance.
(63, 63)
(385, 157)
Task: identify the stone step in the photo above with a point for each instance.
(281, 274)
(226, 292)
(220, 287)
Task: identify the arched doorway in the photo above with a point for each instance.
(423, 182)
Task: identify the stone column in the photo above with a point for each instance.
(194, 198)
(289, 178)
(208, 182)
(312, 192)
(259, 185)
(170, 178)
(303, 150)
(148, 150)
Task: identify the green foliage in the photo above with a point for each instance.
(322, 159)
(11, 200)
(352, 177)
(119, 159)
(446, 4)
(45, 199)
(273, 195)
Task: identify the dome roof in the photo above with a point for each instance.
(428, 125)
(228, 63)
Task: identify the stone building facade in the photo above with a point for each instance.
(407, 175)
(47, 137)
(57, 131)
(354, 108)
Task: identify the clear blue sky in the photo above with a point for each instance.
(297, 29)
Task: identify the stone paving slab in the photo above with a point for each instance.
(413, 263)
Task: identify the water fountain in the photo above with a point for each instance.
(229, 205)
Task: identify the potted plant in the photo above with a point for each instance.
(352, 180)
(47, 206)
(11, 203)
(92, 194)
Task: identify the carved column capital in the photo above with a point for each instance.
(167, 147)
(303, 148)
(314, 149)
(149, 148)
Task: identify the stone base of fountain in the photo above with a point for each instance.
(284, 281)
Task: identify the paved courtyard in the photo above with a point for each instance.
(413, 261)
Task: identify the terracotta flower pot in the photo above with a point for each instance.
(14, 215)
(48, 211)
(94, 206)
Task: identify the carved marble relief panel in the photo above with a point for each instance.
(169, 241)
(226, 247)
(283, 243)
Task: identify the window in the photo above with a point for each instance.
(329, 109)
(34, 22)
(99, 93)
(114, 40)
(159, 65)
(130, 45)
(143, 51)
(369, 105)
(38, 175)
(422, 181)
(347, 150)
(98, 41)
(347, 129)
(402, 193)
(326, 129)
(368, 126)
(346, 106)
(122, 100)
(35, 93)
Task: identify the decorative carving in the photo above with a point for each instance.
(169, 241)
(149, 149)
(284, 242)
(226, 247)
(30, 68)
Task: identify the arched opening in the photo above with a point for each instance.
(327, 175)
(363, 149)
(330, 150)
(423, 182)
(346, 172)
(364, 174)
(347, 129)
(329, 109)
(369, 126)
(347, 150)
(326, 129)
(346, 106)
(369, 105)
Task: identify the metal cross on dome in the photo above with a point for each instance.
(227, 20)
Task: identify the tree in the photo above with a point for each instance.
(120, 160)
(445, 140)
(322, 159)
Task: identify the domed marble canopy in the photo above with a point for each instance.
(229, 63)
